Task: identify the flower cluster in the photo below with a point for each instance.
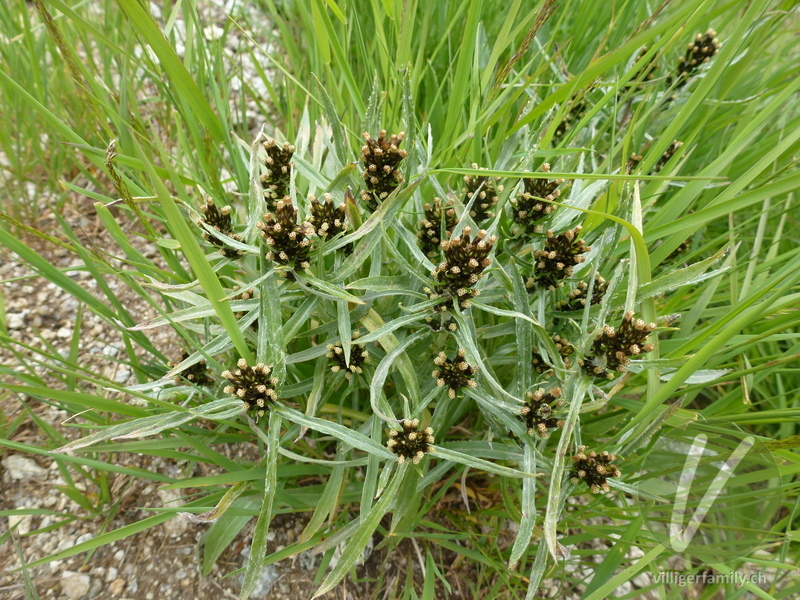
(700, 51)
(289, 242)
(381, 158)
(197, 373)
(556, 260)
(252, 385)
(487, 192)
(667, 155)
(465, 260)
(594, 469)
(219, 219)
(576, 112)
(440, 324)
(455, 374)
(326, 218)
(612, 349)
(577, 297)
(278, 162)
(358, 356)
(565, 349)
(646, 73)
(437, 216)
(409, 443)
(540, 410)
(533, 203)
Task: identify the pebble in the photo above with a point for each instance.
(117, 587)
(75, 585)
(22, 468)
(15, 321)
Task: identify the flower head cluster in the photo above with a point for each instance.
(575, 114)
(465, 260)
(278, 162)
(289, 242)
(409, 443)
(539, 413)
(577, 297)
(487, 192)
(565, 349)
(197, 373)
(381, 158)
(252, 385)
(358, 356)
(454, 374)
(700, 51)
(612, 349)
(533, 203)
(667, 155)
(440, 324)
(220, 220)
(326, 218)
(646, 74)
(437, 216)
(556, 260)
(594, 469)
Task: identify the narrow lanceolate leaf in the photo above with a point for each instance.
(575, 393)
(675, 279)
(348, 436)
(369, 523)
(480, 464)
(259, 545)
(224, 408)
(528, 509)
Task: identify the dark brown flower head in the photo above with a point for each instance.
(577, 297)
(358, 356)
(197, 373)
(438, 216)
(540, 412)
(645, 75)
(682, 247)
(409, 443)
(381, 158)
(556, 260)
(594, 469)
(245, 295)
(487, 191)
(533, 203)
(633, 162)
(326, 218)
(465, 260)
(575, 114)
(289, 242)
(440, 324)
(614, 347)
(667, 155)
(454, 374)
(278, 162)
(253, 386)
(565, 349)
(220, 220)
(700, 51)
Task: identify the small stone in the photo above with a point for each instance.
(22, 523)
(15, 321)
(64, 333)
(117, 587)
(75, 585)
(22, 468)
